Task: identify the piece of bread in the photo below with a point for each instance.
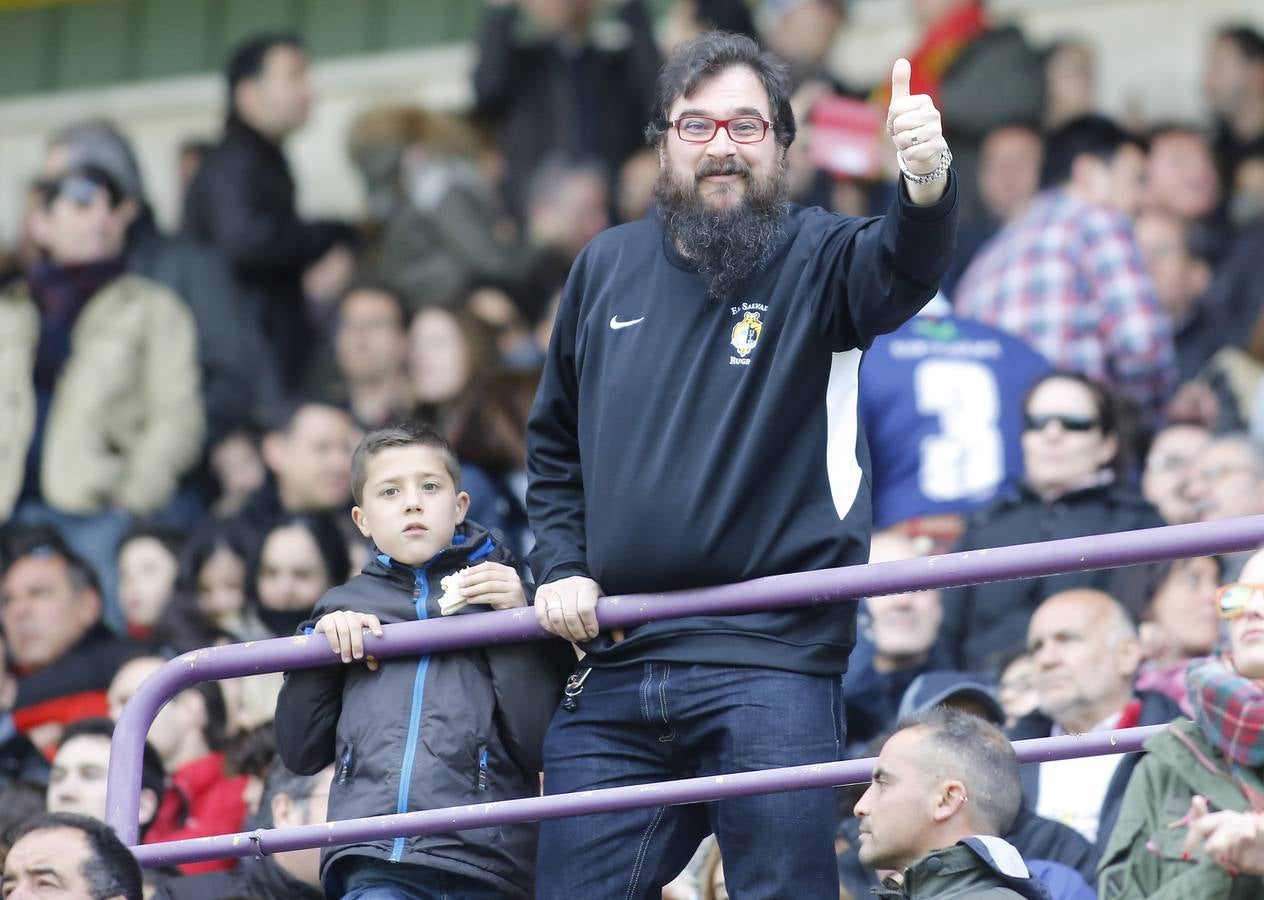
(451, 601)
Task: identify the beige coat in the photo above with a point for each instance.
(126, 416)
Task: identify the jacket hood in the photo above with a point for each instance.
(1007, 863)
(975, 867)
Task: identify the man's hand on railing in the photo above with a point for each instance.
(345, 632)
(568, 608)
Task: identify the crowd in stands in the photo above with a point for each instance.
(179, 412)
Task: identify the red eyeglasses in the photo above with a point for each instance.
(741, 129)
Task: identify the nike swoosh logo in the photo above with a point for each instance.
(616, 324)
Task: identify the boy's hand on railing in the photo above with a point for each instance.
(493, 584)
(568, 607)
(345, 632)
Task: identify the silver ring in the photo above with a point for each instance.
(913, 138)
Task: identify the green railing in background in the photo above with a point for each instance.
(53, 45)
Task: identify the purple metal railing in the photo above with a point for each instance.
(667, 793)
(509, 626)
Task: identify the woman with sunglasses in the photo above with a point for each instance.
(1070, 488)
(1192, 822)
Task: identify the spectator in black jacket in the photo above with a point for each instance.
(691, 289)
(289, 801)
(1072, 459)
(563, 94)
(242, 199)
(235, 368)
(1087, 652)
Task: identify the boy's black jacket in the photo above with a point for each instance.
(448, 729)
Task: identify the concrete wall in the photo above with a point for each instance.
(1150, 56)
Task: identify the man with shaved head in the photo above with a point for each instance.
(1086, 652)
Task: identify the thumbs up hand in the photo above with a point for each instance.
(914, 125)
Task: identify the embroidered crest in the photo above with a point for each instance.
(746, 333)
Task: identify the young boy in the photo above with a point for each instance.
(447, 729)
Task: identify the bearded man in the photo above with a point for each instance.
(696, 425)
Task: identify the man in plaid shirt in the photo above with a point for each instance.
(1068, 276)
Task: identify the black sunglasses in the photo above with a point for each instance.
(1066, 423)
(80, 186)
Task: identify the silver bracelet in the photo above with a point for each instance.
(945, 160)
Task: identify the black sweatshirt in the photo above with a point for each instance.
(680, 441)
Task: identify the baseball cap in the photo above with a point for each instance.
(937, 687)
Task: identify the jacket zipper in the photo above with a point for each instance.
(344, 767)
(421, 591)
(482, 769)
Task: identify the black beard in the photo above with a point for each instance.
(725, 245)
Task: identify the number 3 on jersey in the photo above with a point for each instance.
(966, 458)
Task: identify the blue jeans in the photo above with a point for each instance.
(659, 721)
(379, 880)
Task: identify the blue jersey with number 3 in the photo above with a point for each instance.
(941, 400)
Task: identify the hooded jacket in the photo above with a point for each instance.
(980, 868)
(447, 729)
(1143, 855)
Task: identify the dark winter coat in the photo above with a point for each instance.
(983, 623)
(241, 202)
(447, 729)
